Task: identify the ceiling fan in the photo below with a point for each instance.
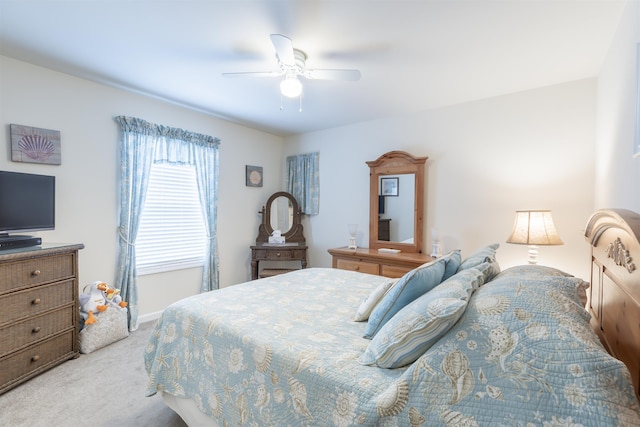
(291, 63)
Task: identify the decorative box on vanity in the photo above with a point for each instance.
(38, 310)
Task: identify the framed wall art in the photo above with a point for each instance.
(253, 176)
(389, 186)
(35, 145)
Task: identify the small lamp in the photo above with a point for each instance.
(353, 231)
(534, 228)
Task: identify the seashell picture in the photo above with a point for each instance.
(35, 145)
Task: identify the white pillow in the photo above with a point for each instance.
(366, 307)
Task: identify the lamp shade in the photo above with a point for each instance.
(534, 228)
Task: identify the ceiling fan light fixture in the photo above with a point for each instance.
(291, 87)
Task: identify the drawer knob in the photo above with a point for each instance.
(36, 273)
(36, 301)
(35, 358)
(278, 254)
(36, 330)
(357, 268)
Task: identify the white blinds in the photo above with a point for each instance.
(172, 233)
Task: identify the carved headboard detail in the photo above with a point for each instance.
(614, 295)
(620, 255)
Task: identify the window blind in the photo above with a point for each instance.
(172, 233)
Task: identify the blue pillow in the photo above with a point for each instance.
(419, 325)
(412, 285)
(486, 254)
(452, 262)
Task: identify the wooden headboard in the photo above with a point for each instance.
(614, 297)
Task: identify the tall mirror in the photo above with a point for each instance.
(396, 201)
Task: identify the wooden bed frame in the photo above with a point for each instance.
(614, 296)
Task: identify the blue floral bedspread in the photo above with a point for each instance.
(283, 351)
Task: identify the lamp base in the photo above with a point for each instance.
(533, 254)
(435, 251)
(352, 243)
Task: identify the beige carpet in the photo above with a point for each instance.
(103, 388)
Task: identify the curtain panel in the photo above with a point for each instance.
(144, 143)
(303, 181)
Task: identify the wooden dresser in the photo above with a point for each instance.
(371, 261)
(38, 310)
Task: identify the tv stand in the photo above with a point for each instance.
(14, 241)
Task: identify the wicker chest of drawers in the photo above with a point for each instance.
(38, 310)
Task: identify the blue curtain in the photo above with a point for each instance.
(143, 143)
(303, 181)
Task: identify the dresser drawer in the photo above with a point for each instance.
(31, 360)
(360, 266)
(31, 302)
(394, 271)
(282, 255)
(21, 274)
(34, 329)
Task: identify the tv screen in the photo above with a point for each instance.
(27, 202)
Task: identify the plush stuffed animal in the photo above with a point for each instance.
(98, 297)
(93, 301)
(113, 297)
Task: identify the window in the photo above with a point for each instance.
(172, 234)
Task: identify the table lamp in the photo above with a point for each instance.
(534, 228)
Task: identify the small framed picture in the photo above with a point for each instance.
(254, 176)
(389, 186)
(35, 145)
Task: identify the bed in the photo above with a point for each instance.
(457, 342)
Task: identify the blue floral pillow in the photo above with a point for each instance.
(419, 325)
(486, 254)
(412, 285)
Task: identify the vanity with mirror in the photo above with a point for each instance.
(396, 209)
(282, 213)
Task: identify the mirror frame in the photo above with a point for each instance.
(294, 234)
(396, 163)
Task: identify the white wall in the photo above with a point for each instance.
(529, 150)
(617, 173)
(86, 210)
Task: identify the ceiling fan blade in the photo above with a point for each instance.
(284, 49)
(254, 74)
(346, 75)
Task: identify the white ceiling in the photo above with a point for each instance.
(413, 55)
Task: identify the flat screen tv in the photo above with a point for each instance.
(27, 202)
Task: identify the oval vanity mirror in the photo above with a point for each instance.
(281, 212)
(396, 202)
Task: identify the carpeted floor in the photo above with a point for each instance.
(103, 388)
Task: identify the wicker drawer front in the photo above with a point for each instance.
(28, 361)
(33, 329)
(31, 302)
(21, 274)
(361, 266)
